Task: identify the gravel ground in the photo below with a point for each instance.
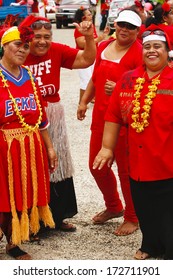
(89, 242)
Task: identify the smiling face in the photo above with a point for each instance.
(155, 55)
(41, 42)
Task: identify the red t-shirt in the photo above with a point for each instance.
(151, 151)
(47, 69)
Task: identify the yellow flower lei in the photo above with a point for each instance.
(137, 124)
(21, 118)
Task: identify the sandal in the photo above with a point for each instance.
(17, 253)
(34, 238)
(105, 215)
(141, 255)
(67, 227)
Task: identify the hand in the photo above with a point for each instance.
(85, 27)
(106, 31)
(104, 156)
(53, 160)
(109, 87)
(81, 112)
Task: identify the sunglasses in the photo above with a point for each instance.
(127, 25)
(156, 32)
(39, 24)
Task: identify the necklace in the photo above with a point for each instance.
(21, 118)
(141, 121)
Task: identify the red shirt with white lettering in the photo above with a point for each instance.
(22, 90)
(47, 68)
(25, 101)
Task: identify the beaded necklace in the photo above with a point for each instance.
(141, 121)
(21, 118)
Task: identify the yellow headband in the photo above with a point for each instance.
(10, 35)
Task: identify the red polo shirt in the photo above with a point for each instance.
(151, 151)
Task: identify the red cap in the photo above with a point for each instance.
(28, 21)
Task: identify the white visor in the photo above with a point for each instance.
(130, 17)
(154, 37)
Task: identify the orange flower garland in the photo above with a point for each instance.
(21, 118)
(138, 124)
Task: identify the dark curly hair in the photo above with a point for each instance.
(80, 13)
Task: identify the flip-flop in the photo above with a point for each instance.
(17, 253)
(67, 227)
(34, 238)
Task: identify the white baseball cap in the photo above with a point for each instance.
(130, 17)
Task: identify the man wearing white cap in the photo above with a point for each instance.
(115, 56)
(143, 101)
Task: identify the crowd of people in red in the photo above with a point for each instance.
(132, 84)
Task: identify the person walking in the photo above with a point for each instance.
(115, 56)
(104, 11)
(45, 60)
(143, 100)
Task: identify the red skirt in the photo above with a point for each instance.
(24, 182)
(36, 158)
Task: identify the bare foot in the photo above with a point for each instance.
(126, 228)
(141, 255)
(105, 215)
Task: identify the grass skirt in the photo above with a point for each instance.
(58, 133)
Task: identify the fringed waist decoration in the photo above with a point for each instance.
(58, 134)
(21, 227)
